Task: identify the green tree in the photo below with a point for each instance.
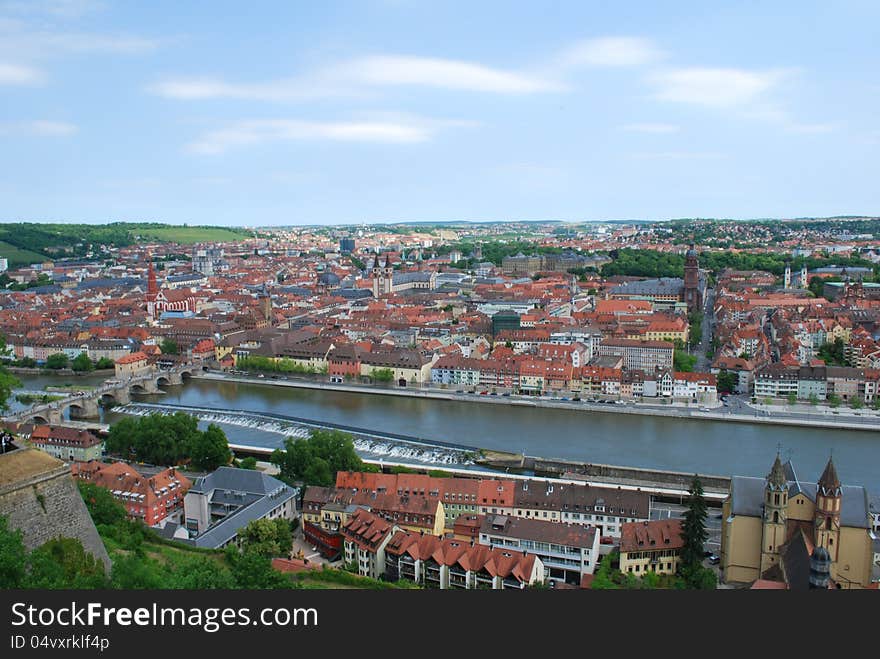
(105, 362)
(133, 572)
(792, 398)
(683, 362)
(63, 563)
(82, 363)
(834, 400)
(315, 460)
(199, 573)
(814, 399)
(155, 438)
(57, 361)
(268, 537)
(693, 527)
(169, 347)
(382, 374)
(856, 404)
(249, 462)
(8, 382)
(13, 557)
(251, 570)
(727, 381)
(210, 449)
(102, 507)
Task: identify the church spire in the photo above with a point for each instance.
(829, 483)
(152, 288)
(776, 478)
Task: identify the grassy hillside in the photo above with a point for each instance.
(190, 235)
(17, 256)
(32, 242)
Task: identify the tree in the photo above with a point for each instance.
(693, 528)
(814, 399)
(13, 557)
(249, 462)
(382, 374)
(683, 362)
(315, 460)
(57, 361)
(102, 507)
(155, 438)
(727, 381)
(169, 347)
(251, 571)
(209, 449)
(8, 382)
(792, 398)
(856, 404)
(64, 563)
(834, 400)
(199, 573)
(105, 362)
(82, 363)
(267, 537)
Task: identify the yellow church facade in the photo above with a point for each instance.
(762, 518)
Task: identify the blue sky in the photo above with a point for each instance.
(392, 110)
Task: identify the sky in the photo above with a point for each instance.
(262, 113)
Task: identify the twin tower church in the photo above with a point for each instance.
(781, 529)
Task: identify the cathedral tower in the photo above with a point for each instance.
(773, 523)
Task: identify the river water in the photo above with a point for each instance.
(262, 415)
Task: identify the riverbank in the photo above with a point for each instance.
(60, 372)
(676, 410)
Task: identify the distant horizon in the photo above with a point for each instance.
(453, 222)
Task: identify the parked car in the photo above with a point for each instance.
(714, 559)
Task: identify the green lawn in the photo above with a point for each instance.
(190, 235)
(18, 257)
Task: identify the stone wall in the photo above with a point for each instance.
(44, 502)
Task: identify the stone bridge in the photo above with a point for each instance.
(86, 404)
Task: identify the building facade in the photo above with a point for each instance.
(766, 520)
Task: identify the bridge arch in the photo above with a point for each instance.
(137, 388)
(162, 381)
(38, 419)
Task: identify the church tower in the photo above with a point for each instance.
(692, 295)
(787, 280)
(804, 276)
(152, 291)
(382, 275)
(388, 277)
(827, 515)
(773, 523)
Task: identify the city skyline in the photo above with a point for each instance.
(399, 111)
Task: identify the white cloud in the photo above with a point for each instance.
(357, 77)
(612, 52)
(15, 74)
(444, 73)
(810, 129)
(718, 88)
(261, 131)
(38, 127)
(677, 155)
(651, 128)
(52, 128)
(57, 8)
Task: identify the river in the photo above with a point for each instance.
(688, 445)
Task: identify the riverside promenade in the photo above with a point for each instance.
(800, 415)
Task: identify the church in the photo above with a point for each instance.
(667, 291)
(179, 302)
(771, 527)
(386, 281)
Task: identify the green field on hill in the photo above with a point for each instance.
(18, 256)
(190, 235)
